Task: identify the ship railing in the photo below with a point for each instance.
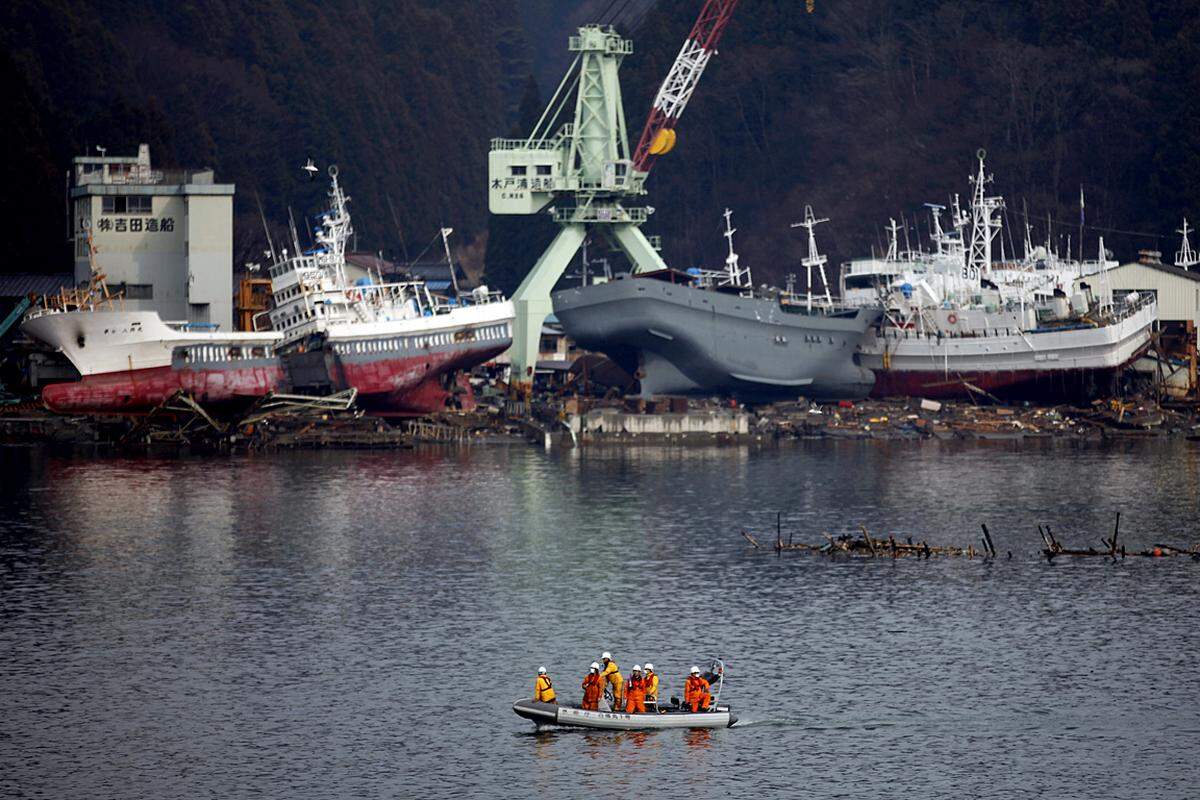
(1124, 308)
(95, 296)
(465, 299)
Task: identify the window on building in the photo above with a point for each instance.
(517, 170)
(133, 291)
(543, 169)
(120, 204)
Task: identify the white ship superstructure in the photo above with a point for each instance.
(397, 343)
(959, 323)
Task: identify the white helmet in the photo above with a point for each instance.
(541, 670)
(637, 667)
(695, 670)
(595, 665)
(649, 666)
(607, 655)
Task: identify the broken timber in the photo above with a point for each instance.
(866, 545)
(1053, 548)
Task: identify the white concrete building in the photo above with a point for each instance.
(165, 238)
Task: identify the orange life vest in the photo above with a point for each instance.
(593, 687)
(696, 689)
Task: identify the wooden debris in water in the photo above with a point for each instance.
(1112, 549)
(866, 545)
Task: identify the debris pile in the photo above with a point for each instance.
(924, 419)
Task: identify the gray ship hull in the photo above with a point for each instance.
(682, 340)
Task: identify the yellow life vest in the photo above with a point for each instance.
(543, 690)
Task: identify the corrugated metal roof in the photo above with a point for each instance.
(27, 283)
(1169, 269)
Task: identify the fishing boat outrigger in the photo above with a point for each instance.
(674, 715)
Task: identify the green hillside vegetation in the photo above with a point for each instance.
(865, 109)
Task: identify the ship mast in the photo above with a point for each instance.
(335, 230)
(450, 261)
(1186, 257)
(736, 275)
(984, 225)
(816, 259)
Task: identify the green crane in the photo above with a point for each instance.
(582, 170)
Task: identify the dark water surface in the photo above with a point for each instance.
(324, 625)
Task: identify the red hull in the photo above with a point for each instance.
(1064, 385)
(387, 385)
(416, 385)
(143, 389)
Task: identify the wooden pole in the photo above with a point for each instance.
(867, 537)
(987, 540)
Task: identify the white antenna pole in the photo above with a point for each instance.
(737, 275)
(1186, 258)
(1105, 288)
(446, 245)
(893, 253)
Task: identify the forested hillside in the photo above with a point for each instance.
(865, 109)
(402, 95)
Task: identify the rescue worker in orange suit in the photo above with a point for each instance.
(695, 692)
(543, 689)
(635, 692)
(650, 677)
(593, 688)
(612, 676)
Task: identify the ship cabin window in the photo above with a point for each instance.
(518, 169)
(868, 281)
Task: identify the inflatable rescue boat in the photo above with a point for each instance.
(675, 715)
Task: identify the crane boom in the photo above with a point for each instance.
(658, 136)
